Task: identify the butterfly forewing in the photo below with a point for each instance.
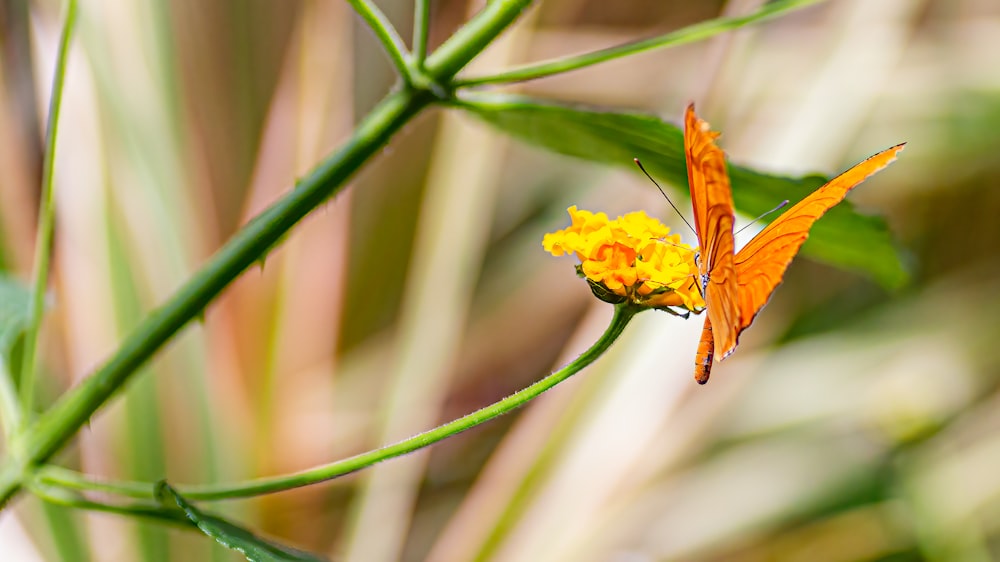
(761, 264)
(712, 200)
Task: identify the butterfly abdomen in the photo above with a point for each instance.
(706, 353)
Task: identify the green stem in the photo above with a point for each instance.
(248, 245)
(252, 242)
(59, 477)
(386, 35)
(46, 221)
(690, 34)
(68, 479)
(473, 37)
(61, 496)
(421, 30)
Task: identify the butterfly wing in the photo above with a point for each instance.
(761, 264)
(712, 200)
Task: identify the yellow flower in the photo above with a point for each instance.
(632, 258)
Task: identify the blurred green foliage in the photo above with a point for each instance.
(853, 424)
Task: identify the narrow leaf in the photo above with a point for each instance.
(15, 302)
(844, 237)
(232, 536)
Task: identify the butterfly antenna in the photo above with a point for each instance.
(664, 193)
(676, 245)
(780, 206)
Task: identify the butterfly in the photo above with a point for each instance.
(736, 285)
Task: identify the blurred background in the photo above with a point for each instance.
(852, 424)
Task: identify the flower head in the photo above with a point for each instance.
(632, 258)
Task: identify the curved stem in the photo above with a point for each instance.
(690, 34)
(59, 477)
(248, 245)
(473, 37)
(61, 496)
(68, 479)
(46, 222)
(386, 34)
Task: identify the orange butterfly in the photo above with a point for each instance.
(737, 285)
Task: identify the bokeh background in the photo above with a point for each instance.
(852, 424)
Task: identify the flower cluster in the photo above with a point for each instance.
(632, 258)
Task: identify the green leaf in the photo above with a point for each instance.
(15, 300)
(843, 237)
(230, 535)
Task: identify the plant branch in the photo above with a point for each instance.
(154, 511)
(473, 37)
(386, 34)
(421, 30)
(690, 34)
(53, 476)
(57, 425)
(46, 222)
(250, 244)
